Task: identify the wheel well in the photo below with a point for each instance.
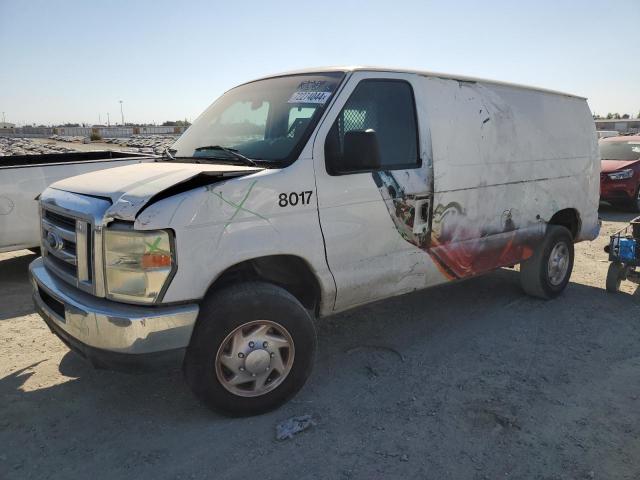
(569, 218)
(287, 271)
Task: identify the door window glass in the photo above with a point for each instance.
(388, 108)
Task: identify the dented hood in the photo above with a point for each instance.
(133, 187)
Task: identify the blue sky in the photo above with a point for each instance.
(73, 60)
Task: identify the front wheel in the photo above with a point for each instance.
(547, 272)
(251, 350)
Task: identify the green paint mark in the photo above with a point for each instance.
(153, 247)
(239, 206)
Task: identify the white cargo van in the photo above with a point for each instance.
(305, 194)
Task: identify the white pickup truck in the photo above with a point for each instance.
(23, 177)
(304, 194)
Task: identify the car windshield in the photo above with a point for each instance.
(267, 120)
(620, 150)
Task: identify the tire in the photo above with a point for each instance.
(633, 204)
(616, 273)
(536, 277)
(256, 312)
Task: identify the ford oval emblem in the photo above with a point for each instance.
(54, 241)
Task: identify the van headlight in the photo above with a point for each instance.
(138, 264)
(622, 174)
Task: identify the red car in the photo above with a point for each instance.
(620, 175)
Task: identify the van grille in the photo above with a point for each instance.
(66, 247)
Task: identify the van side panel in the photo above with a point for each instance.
(505, 160)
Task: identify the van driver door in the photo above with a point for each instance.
(375, 222)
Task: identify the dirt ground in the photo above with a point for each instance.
(467, 381)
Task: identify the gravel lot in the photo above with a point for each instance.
(151, 144)
(466, 381)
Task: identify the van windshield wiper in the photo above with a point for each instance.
(168, 153)
(231, 151)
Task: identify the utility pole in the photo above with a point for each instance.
(3, 119)
(108, 121)
(121, 114)
(99, 121)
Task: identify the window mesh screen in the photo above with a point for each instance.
(360, 117)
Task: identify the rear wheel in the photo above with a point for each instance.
(547, 272)
(251, 350)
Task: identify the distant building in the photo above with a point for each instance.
(7, 125)
(622, 125)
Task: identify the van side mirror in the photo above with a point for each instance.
(361, 152)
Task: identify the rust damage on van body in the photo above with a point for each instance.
(461, 249)
(458, 247)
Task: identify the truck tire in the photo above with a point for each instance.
(547, 272)
(615, 274)
(251, 350)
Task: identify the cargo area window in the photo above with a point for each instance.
(386, 107)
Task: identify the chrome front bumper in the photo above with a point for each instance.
(90, 323)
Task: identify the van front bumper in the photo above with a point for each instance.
(111, 334)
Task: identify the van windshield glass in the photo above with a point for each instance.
(620, 150)
(265, 121)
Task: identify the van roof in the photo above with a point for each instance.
(448, 76)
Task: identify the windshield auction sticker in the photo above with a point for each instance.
(309, 97)
(311, 91)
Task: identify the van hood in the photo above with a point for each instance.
(133, 187)
(608, 166)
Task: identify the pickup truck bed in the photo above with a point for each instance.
(23, 177)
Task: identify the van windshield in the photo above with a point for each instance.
(620, 150)
(267, 121)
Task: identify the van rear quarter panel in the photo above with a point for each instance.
(505, 159)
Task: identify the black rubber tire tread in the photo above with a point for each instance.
(615, 275)
(533, 271)
(634, 204)
(223, 311)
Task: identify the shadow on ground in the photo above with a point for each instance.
(14, 277)
(614, 214)
(424, 385)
